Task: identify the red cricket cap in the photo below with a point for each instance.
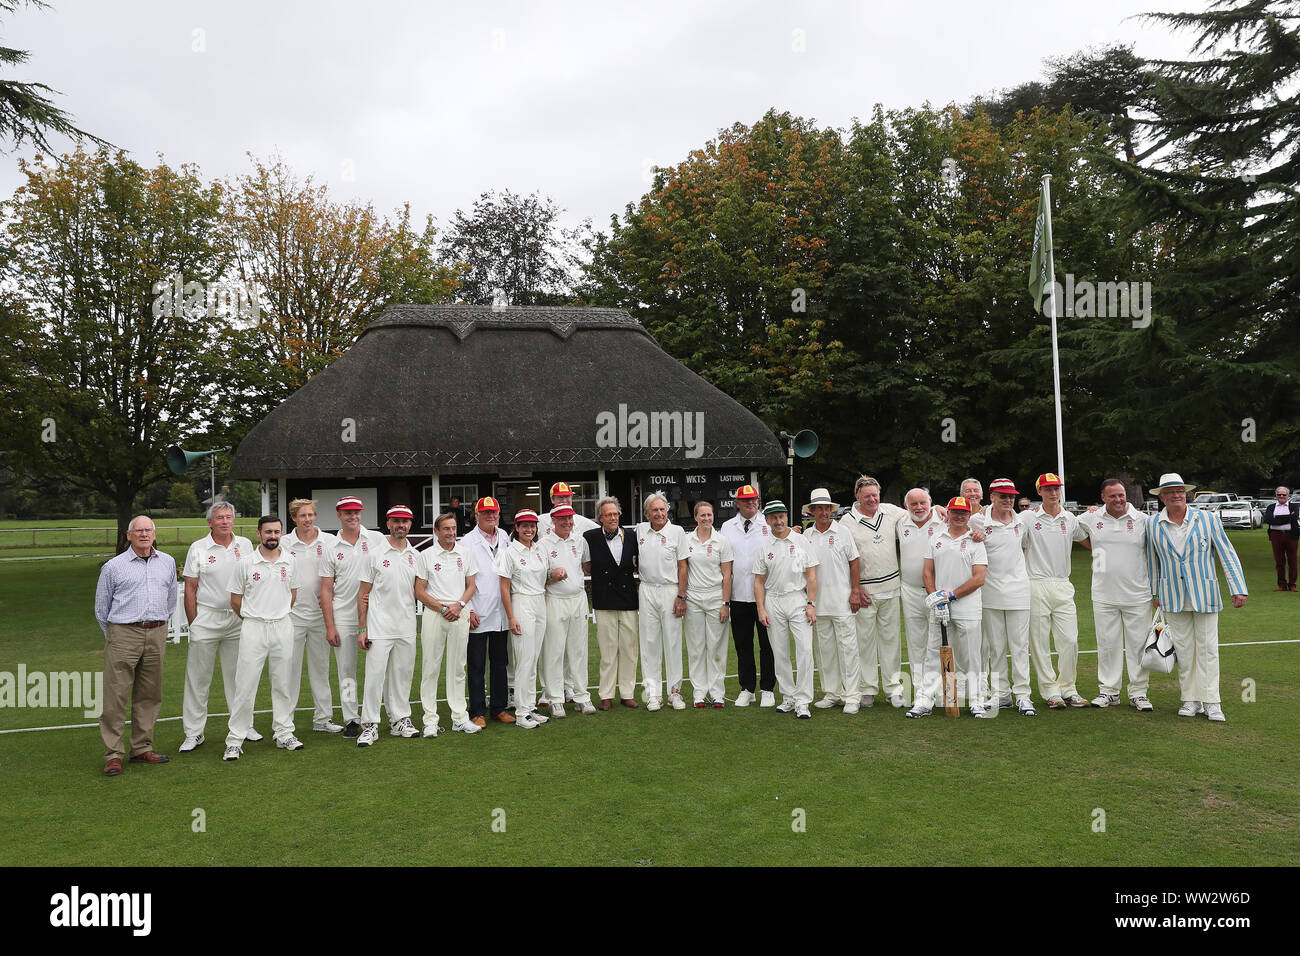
(561, 488)
(1048, 480)
(349, 503)
(564, 511)
(747, 491)
(399, 511)
(525, 514)
(1003, 486)
(487, 504)
(959, 504)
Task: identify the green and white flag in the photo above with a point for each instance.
(1040, 262)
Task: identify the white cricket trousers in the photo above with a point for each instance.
(706, 648)
(564, 648)
(1052, 614)
(788, 614)
(345, 663)
(1121, 634)
(390, 666)
(309, 641)
(530, 612)
(439, 636)
(1003, 630)
(661, 640)
(268, 643)
(617, 639)
(1196, 642)
(214, 631)
(837, 649)
(880, 646)
(916, 618)
(964, 638)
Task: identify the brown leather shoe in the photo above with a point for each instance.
(1281, 589)
(481, 721)
(506, 717)
(1292, 588)
(113, 767)
(150, 757)
(629, 702)
(605, 703)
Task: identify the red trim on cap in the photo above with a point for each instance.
(1003, 486)
(349, 503)
(747, 491)
(959, 504)
(564, 511)
(487, 503)
(561, 488)
(399, 511)
(525, 514)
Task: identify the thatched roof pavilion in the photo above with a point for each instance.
(458, 395)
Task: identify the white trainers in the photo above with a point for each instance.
(745, 698)
(589, 708)
(403, 728)
(768, 699)
(1026, 707)
(830, 700)
(537, 716)
(288, 743)
(1056, 703)
(867, 700)
(676, 701)
(897, 700)
(468, 727)
(978, 711)
(1190, 708)
(369, 734)
(232, 753)
(653, 704)
(431, 730)
(851, 706)
(1105, 700)
(557, 711)
(190, 743)
(1141, 704)
(327, 726)
(1215, 713)
(801, 711)
(1074, 700)
(918, 710)
(252, 735)
(786, 706)
(526, 723)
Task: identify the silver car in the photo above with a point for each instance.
(1239, 514)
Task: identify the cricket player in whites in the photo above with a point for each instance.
(446, 577)
(214, 628)
(785, 590)
(262, 592)
(874, 526)
(915, 532)
(837, 591)
(1005, 597)
(340, 583)
(386, 629)
(1050, 533)
(954, 571)
(661, 553)
(1121, 595)
(311, 548)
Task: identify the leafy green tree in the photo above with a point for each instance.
(181, 498)
(512, 243)
(309, 276)
(110, 370)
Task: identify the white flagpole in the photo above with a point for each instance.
(1056, 358)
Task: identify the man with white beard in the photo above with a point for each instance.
(915, 533)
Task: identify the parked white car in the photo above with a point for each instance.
(1239, 514)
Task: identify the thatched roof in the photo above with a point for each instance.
(459, 389)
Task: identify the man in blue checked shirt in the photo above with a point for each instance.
(135, 597)
(1181, 544)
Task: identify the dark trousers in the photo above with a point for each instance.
(485, 647)
(744, 618)
(1284, 556)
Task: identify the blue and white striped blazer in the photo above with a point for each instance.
(1188, 582)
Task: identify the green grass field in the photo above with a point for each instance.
(706, 787)
(33, 538)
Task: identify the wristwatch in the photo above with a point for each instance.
(812, 603)
(681, 597)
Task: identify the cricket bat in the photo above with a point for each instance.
(949, 672)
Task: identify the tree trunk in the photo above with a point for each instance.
(124, 517)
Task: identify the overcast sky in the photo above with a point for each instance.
(434, 103)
